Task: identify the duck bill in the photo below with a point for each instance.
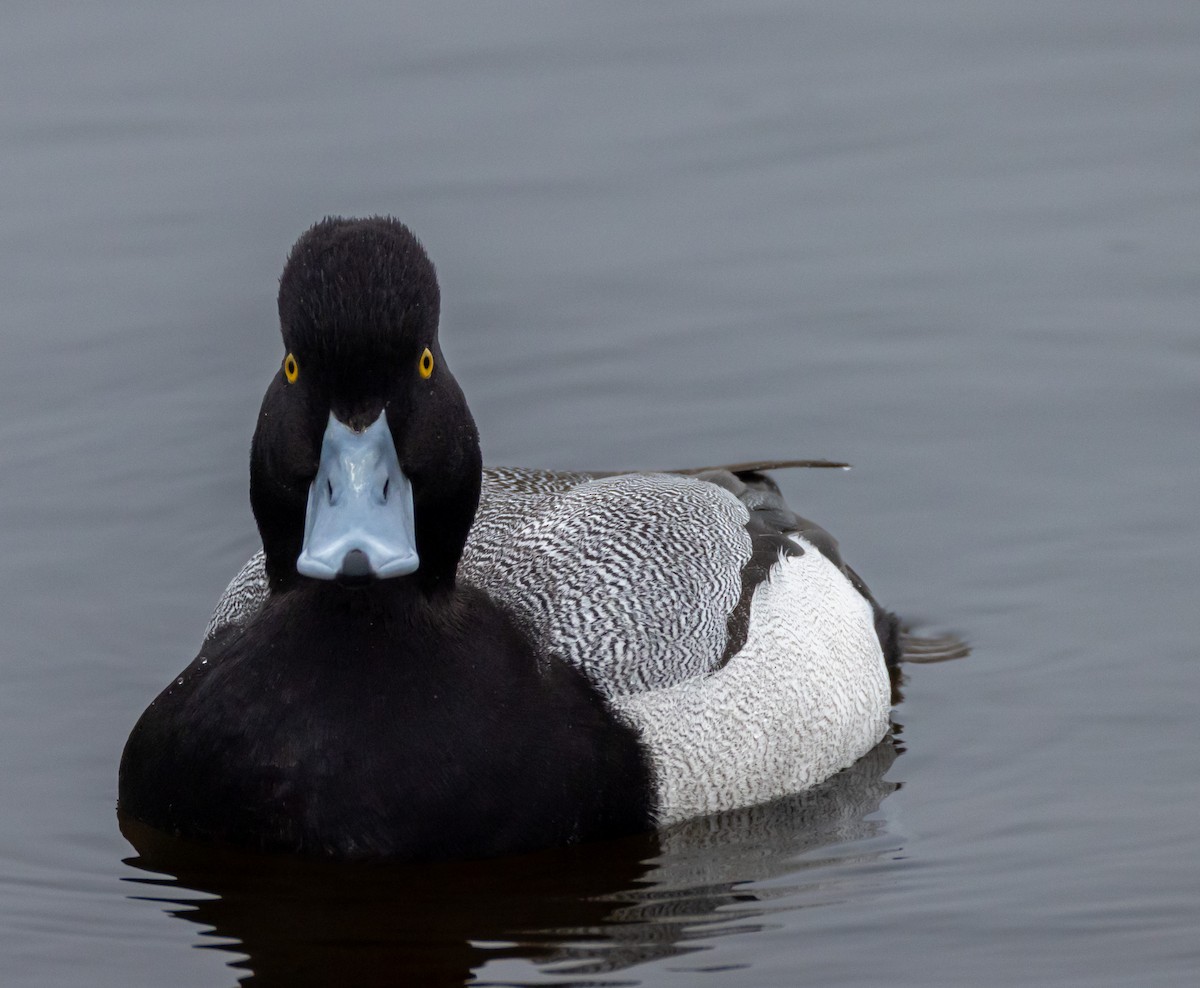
(359, 521)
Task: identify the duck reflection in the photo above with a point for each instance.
(578, 911)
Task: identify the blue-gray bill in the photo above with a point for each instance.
(359, 520)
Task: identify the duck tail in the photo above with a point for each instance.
(926, 649)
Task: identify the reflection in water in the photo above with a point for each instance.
(584, 910)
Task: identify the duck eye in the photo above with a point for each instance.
(425, 365)
(291, 369)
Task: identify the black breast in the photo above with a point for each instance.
(342, 723)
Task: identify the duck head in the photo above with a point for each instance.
(365, 463)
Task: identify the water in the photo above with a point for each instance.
(955, 245)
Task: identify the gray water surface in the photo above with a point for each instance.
(954, 244)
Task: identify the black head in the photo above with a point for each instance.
(358, 309)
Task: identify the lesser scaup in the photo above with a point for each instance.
(432, 660)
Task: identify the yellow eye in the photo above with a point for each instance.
(291, 369)
(425, 366)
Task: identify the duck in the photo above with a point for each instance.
(428, 659)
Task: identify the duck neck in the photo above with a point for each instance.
(444, 514)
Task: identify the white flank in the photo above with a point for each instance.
(806, 696)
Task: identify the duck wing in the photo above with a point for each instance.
(632, 578)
